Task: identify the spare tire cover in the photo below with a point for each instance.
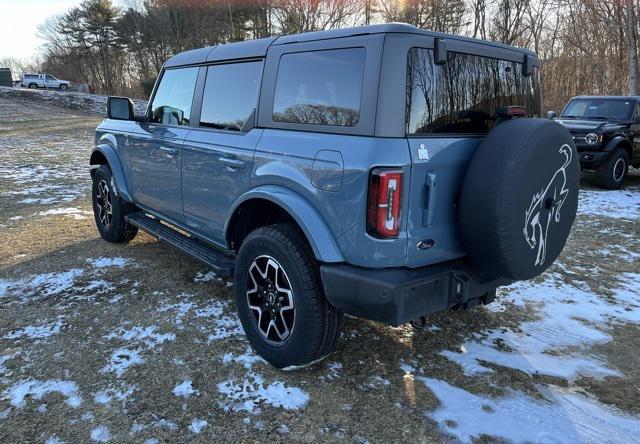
(519, 198)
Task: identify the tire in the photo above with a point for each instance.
(303, 334)
(111, 224)
(612, 173)
(33, 86)
(64, 87)
(519, 198)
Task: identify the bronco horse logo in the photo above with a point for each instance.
(551, 198)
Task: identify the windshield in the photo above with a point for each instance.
(617, 109)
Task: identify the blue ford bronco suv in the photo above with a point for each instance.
(384, 171)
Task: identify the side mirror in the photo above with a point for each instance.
(551, 115)
(119, 108)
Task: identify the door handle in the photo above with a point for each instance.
(170, 151)
(230, 162)
(427, 214)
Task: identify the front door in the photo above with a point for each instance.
(51, 82)
(218, 155)
(156, 151)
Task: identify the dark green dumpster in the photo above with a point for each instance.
(5, 77)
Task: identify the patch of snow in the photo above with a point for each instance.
(147, 336)
(205, 277)
(122, 360)
(212, 310)
(247, 359)
(570, 318)
(181, 308)
(41, 285)
(166, 424)
(31, 388)
(184, 389)
(100, 434)
(283, 428)
(247, 394)
(618, 204)
(519, 418)
(71, 211)
(375, 382)
(53, 439)
(151, 441)
(197, 425)
(105, 396)
(102, 262)
(35, 332)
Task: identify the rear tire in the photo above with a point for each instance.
(276, 269)
(109, 209)
(612, 173)
(33, 86)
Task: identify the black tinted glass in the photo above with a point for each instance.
(320, 87)
(172, 101)
(600, 109)
(463, 96)
(230, 95)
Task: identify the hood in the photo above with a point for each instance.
(578, 125)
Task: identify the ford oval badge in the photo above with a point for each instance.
(426, 244)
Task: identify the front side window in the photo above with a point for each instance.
(172, 101)
(464, 95)
(230, 95)
(50, 77)
(320, 87)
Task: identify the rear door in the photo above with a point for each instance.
(450, 109)
(217, 157)
(156, 149)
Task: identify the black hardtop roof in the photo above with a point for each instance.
(258, 48)
(608, 97)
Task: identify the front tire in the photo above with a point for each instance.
(612, 173)
(109, 209)
(280, 298)
(64, 87)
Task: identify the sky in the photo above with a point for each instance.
(19, 20)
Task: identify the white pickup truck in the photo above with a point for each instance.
(35, 81)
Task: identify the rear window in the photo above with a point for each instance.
(30, 76)
(463, 96)
(320, 87)
(230, 95)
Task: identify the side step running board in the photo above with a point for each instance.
(220, 263)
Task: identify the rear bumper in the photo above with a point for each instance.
(398, 295)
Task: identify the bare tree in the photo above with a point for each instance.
(632, 40)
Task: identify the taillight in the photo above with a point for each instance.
(384, 204)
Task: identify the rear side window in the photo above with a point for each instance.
(230, 95)
(172, 102)
(463, 96)
(320, 87)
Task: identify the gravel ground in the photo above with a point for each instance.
(135, 343)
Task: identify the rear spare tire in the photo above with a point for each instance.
(519, 198)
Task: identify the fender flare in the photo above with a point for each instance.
(615, 142)
(117, 172)
(316, 230)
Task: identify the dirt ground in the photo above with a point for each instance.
(137, 343)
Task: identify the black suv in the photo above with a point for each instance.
(606, 131)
